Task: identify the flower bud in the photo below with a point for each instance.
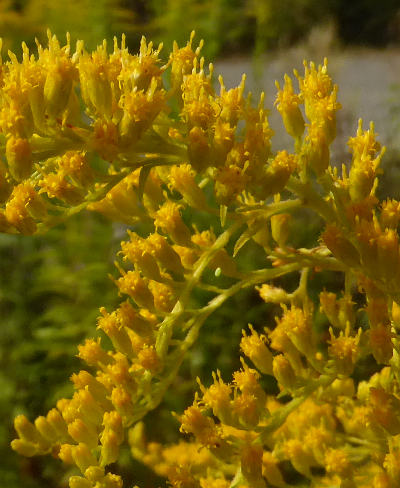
(58, 86)
(124, 198)
(316, 149)
(224, 138)
(198, 149)
(230, 181)
(149, 359)
(83, 433)
(45, 428)
(390, 214)
(83, 457)
(218, 397)
(272, 294)
(284, 372)
(87, 382)
(164, 296)
(90, 409)
(19, 158)
(109, 323)
(93, 354)
(24, 448)
(169, 219)
(133, 320)
(79, 482)
(336, 461)
(344, 350)
(361, 179)
(301, 460)
(164, 253)
(388, 253)
(26, 430)
(254, 347)
(122, 402)
(187, 256)
(109, 447)
(278, 173)
(181, 178)
(57, 422)
(113, 421)
(132, 284)
(137, 251)
(280, 228)
(112, 481)
(94, 473)
(287, 103)
(65, 453)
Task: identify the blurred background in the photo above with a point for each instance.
(51, 286)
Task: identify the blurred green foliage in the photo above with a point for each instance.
(227, 26)
(91, 20)
(51, 288)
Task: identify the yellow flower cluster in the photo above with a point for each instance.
(196, 166)
(60, 159)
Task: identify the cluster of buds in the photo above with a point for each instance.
(174, 156)
(240, 407)
(88, 429)
(71, 159)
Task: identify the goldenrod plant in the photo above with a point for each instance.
(158, 144)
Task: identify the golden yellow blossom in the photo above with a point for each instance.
(168, 218)
(154, 146)
(254, 347)
(288, 103)
(344, 350)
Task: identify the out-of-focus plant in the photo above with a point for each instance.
(280, 23)
(223, 24)
(91, 19)
(30, 19)
(50, 288)
(238, 25)
(227, 26)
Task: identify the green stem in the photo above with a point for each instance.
(167, 326)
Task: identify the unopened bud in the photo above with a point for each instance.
(19, 158)
(280, 228)
(254, 347)
(79, 482)
(24, 448)
(284, 372)
(109, 447)
(83, 457)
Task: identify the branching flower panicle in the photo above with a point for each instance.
(192, 171)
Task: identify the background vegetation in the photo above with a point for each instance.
(227, 26)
